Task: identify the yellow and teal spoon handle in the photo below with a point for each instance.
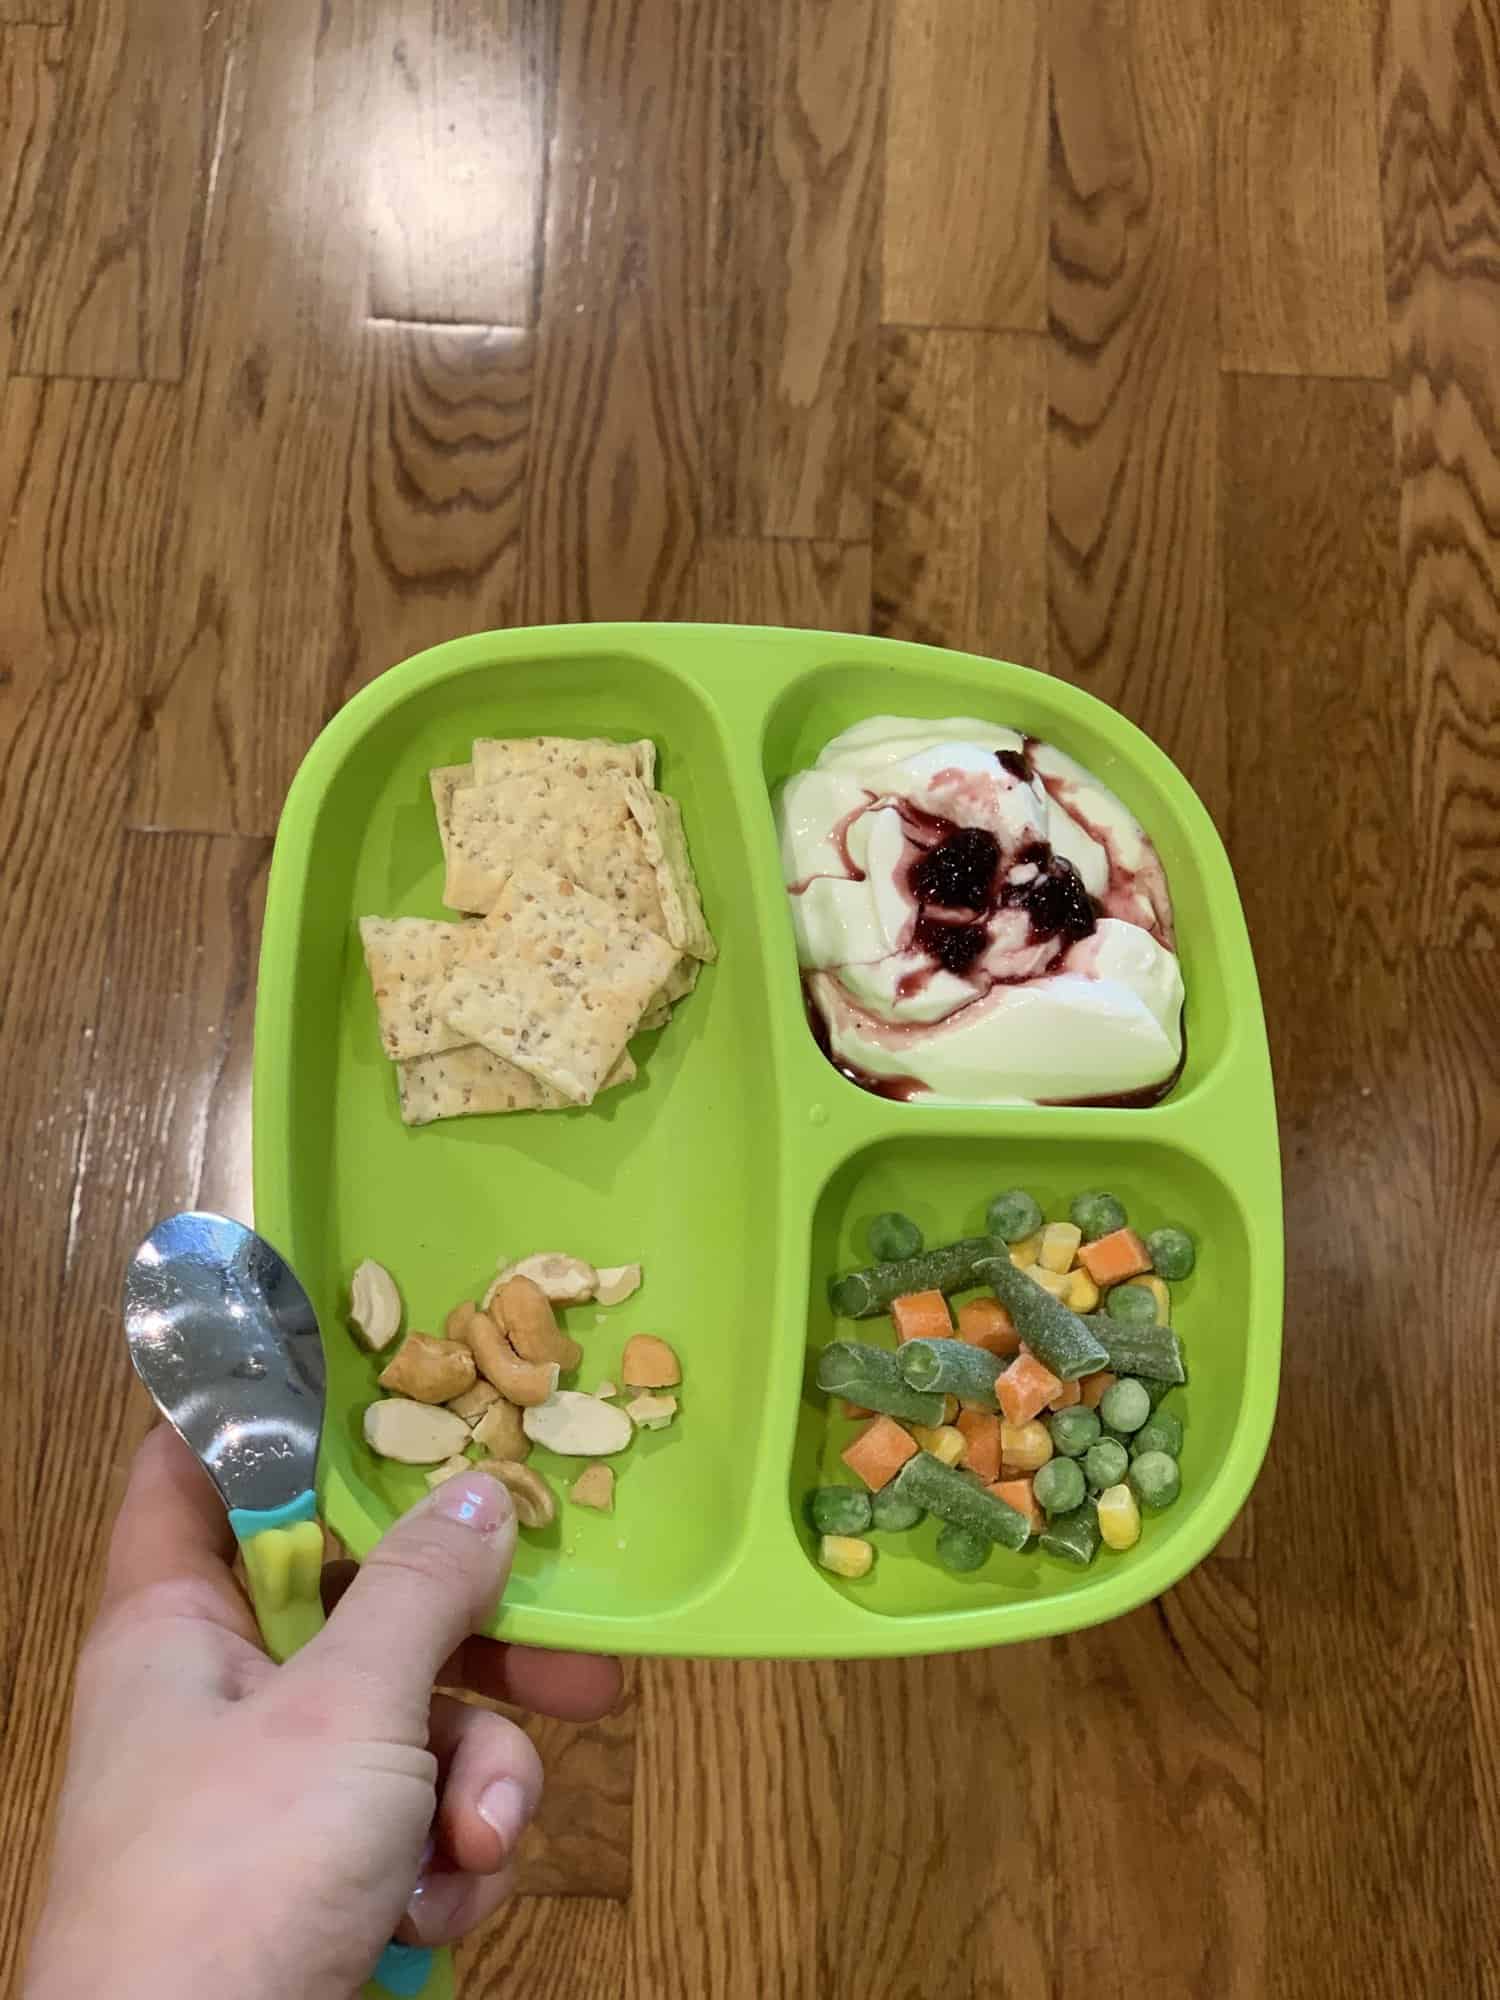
(283, 1551)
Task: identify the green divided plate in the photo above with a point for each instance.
(739, 1168)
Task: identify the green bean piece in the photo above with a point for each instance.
(1058, 1486)
(1155, 1388)
(1097, 1214)
(1073, 1430)
(1149, 1351)
(872, 1376)
(894, 1514)
(1105, 1464)
(962, 1549)
(1161, 1432)
(893, 1236)
(1058, 1338)
(1124, 1406)
(1173, 1253)
(1155, 1480)
(947, 1267)
(840, 1510)
(1132, 1304)
(958, 1497)
(1075, 1536)
(952, 1368)
(1013, 1215)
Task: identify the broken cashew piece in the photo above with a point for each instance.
(567, 1281)
(473, 1403)
(374, 1305)
(413, 1433)
(616, 1283)
(649, 1363)
(651, 1413)
(449, 1469)
(532, 1496)
(605, 1390)
(594, 1487)
(576, 1425)
(500, 1431)
(525, 1313)
(523, 1382)
(428, 1370)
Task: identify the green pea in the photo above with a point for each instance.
(1161, 1432)
(894, 1513)
(1012, 1215)
(1058, 1486)
(892, 1236)
(1155, 1480)
(840, 1510)
(1133, 1304)
(1124, 1406)
(1173, 1254)
(1073, 1430)
(961, 1549)
(1105, 1464)
(1096, 1214)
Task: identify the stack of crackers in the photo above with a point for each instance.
(581, 927)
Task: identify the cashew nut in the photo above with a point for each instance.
(500, 1431)
(594, 1487)
(414, 1433)
(649, 1363)
(518, 1381)
(473, 1403)
(616, 1282)
(535, 1506)
(523, 1309)
(374, 1305)
(578, 1426)
(651, 1413)
(449, 1469)
(456, 1321)
(428, 1370)
(605, 1390)
(567, 1281)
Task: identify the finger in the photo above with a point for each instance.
(172, 1530)
(575, 1687)
(431, 1581)
(445, 1904)
(491, 1785)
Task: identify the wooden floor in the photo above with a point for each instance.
(1154, 342)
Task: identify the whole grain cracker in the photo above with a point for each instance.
(408, 958)
(497, 757)
(660, 820)
(555, 981)
(581, 827)
(469, 1081)
(445, 780)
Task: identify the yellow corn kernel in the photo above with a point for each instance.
(950, 1409)
(1024, 1447)
(1119, 1517)
(1025, 1253)
(1060, 1241)
(944, 1442)
(1082, 1293)
(1158, 1290)
(1058, 1283)
(845, 1555)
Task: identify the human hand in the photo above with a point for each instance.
(235, 1829)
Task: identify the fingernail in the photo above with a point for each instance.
(481, 1504)
(433, 1904)
(505, 1807)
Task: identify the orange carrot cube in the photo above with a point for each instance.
(1094, 1386)
(1017, 1493)
(856, 1411)
(1112, 1259)
(986, 1323)
(879, 1452)
(1066, 1397)
(921, 1316)
(981, 1434)
(1025, 1389)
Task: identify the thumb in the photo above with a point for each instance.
(434, 1579)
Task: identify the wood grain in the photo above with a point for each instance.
(961, 478)
(453, 201)
(37, 13)
(966, 141)
(31, 69)
(1133, 371)
(824, 586)
(1439, 64)
(1311, 574)
(120, 202)
(1301, 266)
(580, 1842)
(550, 1948)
